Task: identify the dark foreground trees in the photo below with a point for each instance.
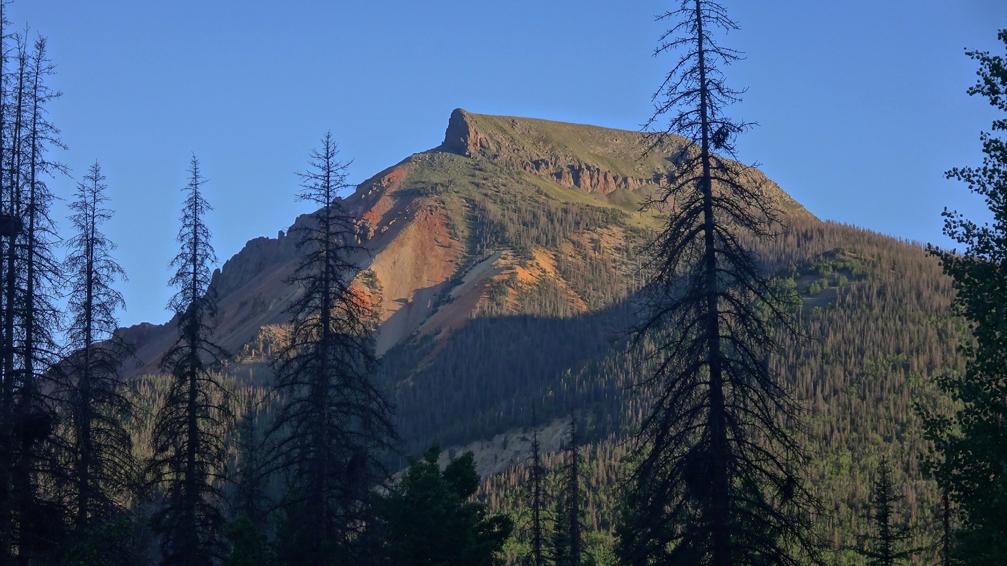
(971, 455)
(429, 518)
(333, 424)
(536, 500)
(888, 542)
(715, 480)
(188, 435)
(32, 319)
(100, 470)
(568, 528)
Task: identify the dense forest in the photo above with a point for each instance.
(641, 351)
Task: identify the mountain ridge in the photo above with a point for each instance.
(401, 219)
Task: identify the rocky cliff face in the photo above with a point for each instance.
(548, 149)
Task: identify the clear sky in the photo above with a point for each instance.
(860, 103)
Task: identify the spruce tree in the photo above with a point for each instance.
(559, 538)
(429, 517)
(536, 477)
(9, 198)
(188, 434)
(714, 480)
(333, 424)
(970, 457)
(887, 543)
(39, 516)
(946, 544)
(100, 470)
(567, 539)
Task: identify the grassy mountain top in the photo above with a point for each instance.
(619, 165)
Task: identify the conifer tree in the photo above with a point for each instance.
(429, 516)
(970, 457)
(887, 544)
(946, 545)
(536, 477)
(714, 481)
(559, 539)
(567, 540)
(39, 517)
(333, 423)
(11, 223)
(100, 469)
(188, 434)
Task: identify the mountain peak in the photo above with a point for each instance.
(607, 162)
(590, 158)
(505, 208)
(461, 136)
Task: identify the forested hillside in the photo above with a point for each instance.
(508, 263)
(536, 343)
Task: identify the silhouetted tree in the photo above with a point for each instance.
(970, 458)
(249, 544)
(332, 422)
(11, 210)
(715, 479)
(559, 538)
(887, 543)
(188, 445)
(429, 518)
(567, 539)
(946, 546)
(101, 468)
(536, 478)
(39, 518)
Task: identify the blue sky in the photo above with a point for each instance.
(860, 104)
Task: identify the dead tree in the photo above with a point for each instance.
(715, 478)
(188, 435)
(100, 469)
(333, 424)
(568, 529)
(536, 478)
(38, 515)
(9, 200)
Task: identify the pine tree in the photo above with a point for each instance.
(188, 434)
(9, 199)
(888, 541)
(559, 539)
(39, 517)
(714, 481)
(946, 545)
(536, 477)
(567, 540)
(100, 471)
(333, 423)
(970, 458)
(429, 517)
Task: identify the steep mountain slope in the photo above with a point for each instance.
(495, 202)
(505, 262)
